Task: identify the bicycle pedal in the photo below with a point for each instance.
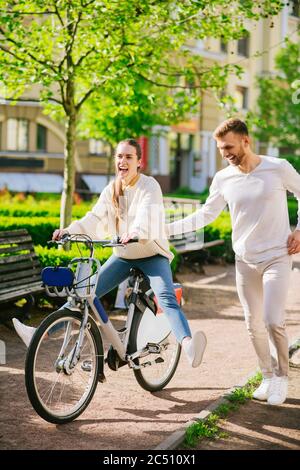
(153, 348)
(159, 360)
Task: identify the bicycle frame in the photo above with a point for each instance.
(82, 294)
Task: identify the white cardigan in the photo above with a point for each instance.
(142, 211)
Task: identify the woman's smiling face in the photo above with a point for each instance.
(126, 161)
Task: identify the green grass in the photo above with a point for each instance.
(209, 428)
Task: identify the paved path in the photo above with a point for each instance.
(122, 415)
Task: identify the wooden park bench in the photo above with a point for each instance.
(19, 268)
(190, 245)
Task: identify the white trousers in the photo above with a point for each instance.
(262, 290)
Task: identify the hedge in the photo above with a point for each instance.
(220, 229)
(42, 209)
(40, 228)
(52, 256)
(293, 210)
(53, 210)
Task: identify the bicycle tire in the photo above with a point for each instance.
(33, 376)
(142, 375)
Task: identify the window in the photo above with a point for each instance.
(21, 162)
(98, 147)
(41, 138)
(294, 8)
(223, 46)
(181, 145)
(241, 97)
(243, 46)
(17, 134)
(154, 152)
(197, 165)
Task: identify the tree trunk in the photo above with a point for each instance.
(110, 161)
(69, 161)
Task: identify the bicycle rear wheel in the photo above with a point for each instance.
(59, 394)
(156, 376)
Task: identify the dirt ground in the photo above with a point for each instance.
(123, 416)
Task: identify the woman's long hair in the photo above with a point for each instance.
(117, 185)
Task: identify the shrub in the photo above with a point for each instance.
(293, 210)
(186, 193)
(57, 257)
(42, 209)
(176, 260)
(220, 229)
(40, 228)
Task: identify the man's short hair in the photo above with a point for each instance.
(231, 125)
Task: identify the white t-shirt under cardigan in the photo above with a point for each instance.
(142, 211)
(258, 208)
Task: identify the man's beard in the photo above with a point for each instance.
(236, 159)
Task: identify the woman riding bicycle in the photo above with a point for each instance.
(131, 207)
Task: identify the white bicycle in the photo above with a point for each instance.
(65, 359)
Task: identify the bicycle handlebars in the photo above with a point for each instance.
(75, 238)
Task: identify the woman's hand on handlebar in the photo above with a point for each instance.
(126, 237)
(59, 233)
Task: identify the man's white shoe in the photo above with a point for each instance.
(278, 391)
(262, 392)
(195, 347)
(25, 332)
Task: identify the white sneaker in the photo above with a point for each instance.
(278, 391)
(263, 391)
(25, 332)
(195, 347)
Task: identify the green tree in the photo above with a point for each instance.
(277, 119)
(74, 48)
(133, 112)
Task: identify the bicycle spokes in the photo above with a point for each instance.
(63, 381)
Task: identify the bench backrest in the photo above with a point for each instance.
(19, 265)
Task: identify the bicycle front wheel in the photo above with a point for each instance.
(148, 328)
(58, 392)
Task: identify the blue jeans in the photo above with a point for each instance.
(157, 270)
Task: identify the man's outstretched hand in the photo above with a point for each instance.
(293, 243)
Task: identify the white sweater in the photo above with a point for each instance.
(142, 212)
(258, 208)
